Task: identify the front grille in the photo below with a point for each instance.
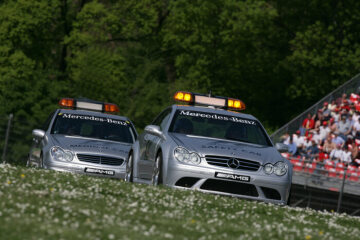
(100, 159)
(222, 161)
(230, 187)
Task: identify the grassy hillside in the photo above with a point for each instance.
(40, 204)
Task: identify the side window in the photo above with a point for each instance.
(162, 119)
(47, 122)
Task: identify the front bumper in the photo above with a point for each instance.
(267, 188)
(77, 167)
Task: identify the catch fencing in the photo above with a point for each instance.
(15, 139)
(329, 176)
(351, 86)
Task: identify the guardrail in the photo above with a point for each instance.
(327, 175)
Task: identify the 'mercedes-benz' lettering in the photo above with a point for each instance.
(93, 118)
(217, 117)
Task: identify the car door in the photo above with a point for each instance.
(149, 145)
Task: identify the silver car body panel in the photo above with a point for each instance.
(98, 157)
(260, 186)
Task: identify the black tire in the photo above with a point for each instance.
(129, 169)
(41, 161)
(28, 162)
(289, 198)
(157, 172)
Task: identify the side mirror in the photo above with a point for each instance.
(38, 133)
(153, 129)
(281, 147)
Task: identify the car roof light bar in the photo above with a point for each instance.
(208, 100)
(87, 104)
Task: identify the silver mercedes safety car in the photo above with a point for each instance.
(83, 139)
(208, 146)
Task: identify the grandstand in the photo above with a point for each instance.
(324, 148)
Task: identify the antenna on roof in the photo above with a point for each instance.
(210, 95)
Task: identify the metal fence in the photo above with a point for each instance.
(339, 179)
(348, 87)
(15, 139)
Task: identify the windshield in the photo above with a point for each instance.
(93, 127)
(219, 126)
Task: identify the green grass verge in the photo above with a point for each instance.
(41, 204)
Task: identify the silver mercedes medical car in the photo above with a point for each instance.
(83, 139)
(210, 147)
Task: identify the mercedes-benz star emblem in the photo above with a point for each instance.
(233, 163)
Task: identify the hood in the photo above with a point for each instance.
(86, 145)
(210, 146)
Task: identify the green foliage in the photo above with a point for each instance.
(273, 54)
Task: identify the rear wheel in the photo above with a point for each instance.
(157, 173)
(129, 169)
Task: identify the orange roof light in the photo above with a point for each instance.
(111, 107)
(209, 100)
(236, 104)
(67, 102)
(183, 96)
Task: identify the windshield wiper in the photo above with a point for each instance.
(239, 140)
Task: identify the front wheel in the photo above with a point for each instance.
(28, 162)
(41, 161)
(129, 169)
(157, 173)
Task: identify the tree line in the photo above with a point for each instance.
(278, 56)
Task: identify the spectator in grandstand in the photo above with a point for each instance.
(337, 139)
(307, 141)
(354, 150)
(307, 124)
(355, 116)
(329, 145)
(336, 153)
(302, 141)
(318, 118)
(326, 112)
(346, 156)
(324, 130)
(344, 127)
(350, 119)
(316, 136)
(341, 99)
(336, 115)
(332, 125)
(356, 129)
(345, 105)
(301, 151)
(285, 138)
(322, 154)
(332, 106)
(312, 151)
(292, 147)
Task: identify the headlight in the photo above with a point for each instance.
(60, 154)
(268, 168)
(280, 168)
(183, 155)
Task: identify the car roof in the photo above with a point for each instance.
(93, 113)
(214, 110)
